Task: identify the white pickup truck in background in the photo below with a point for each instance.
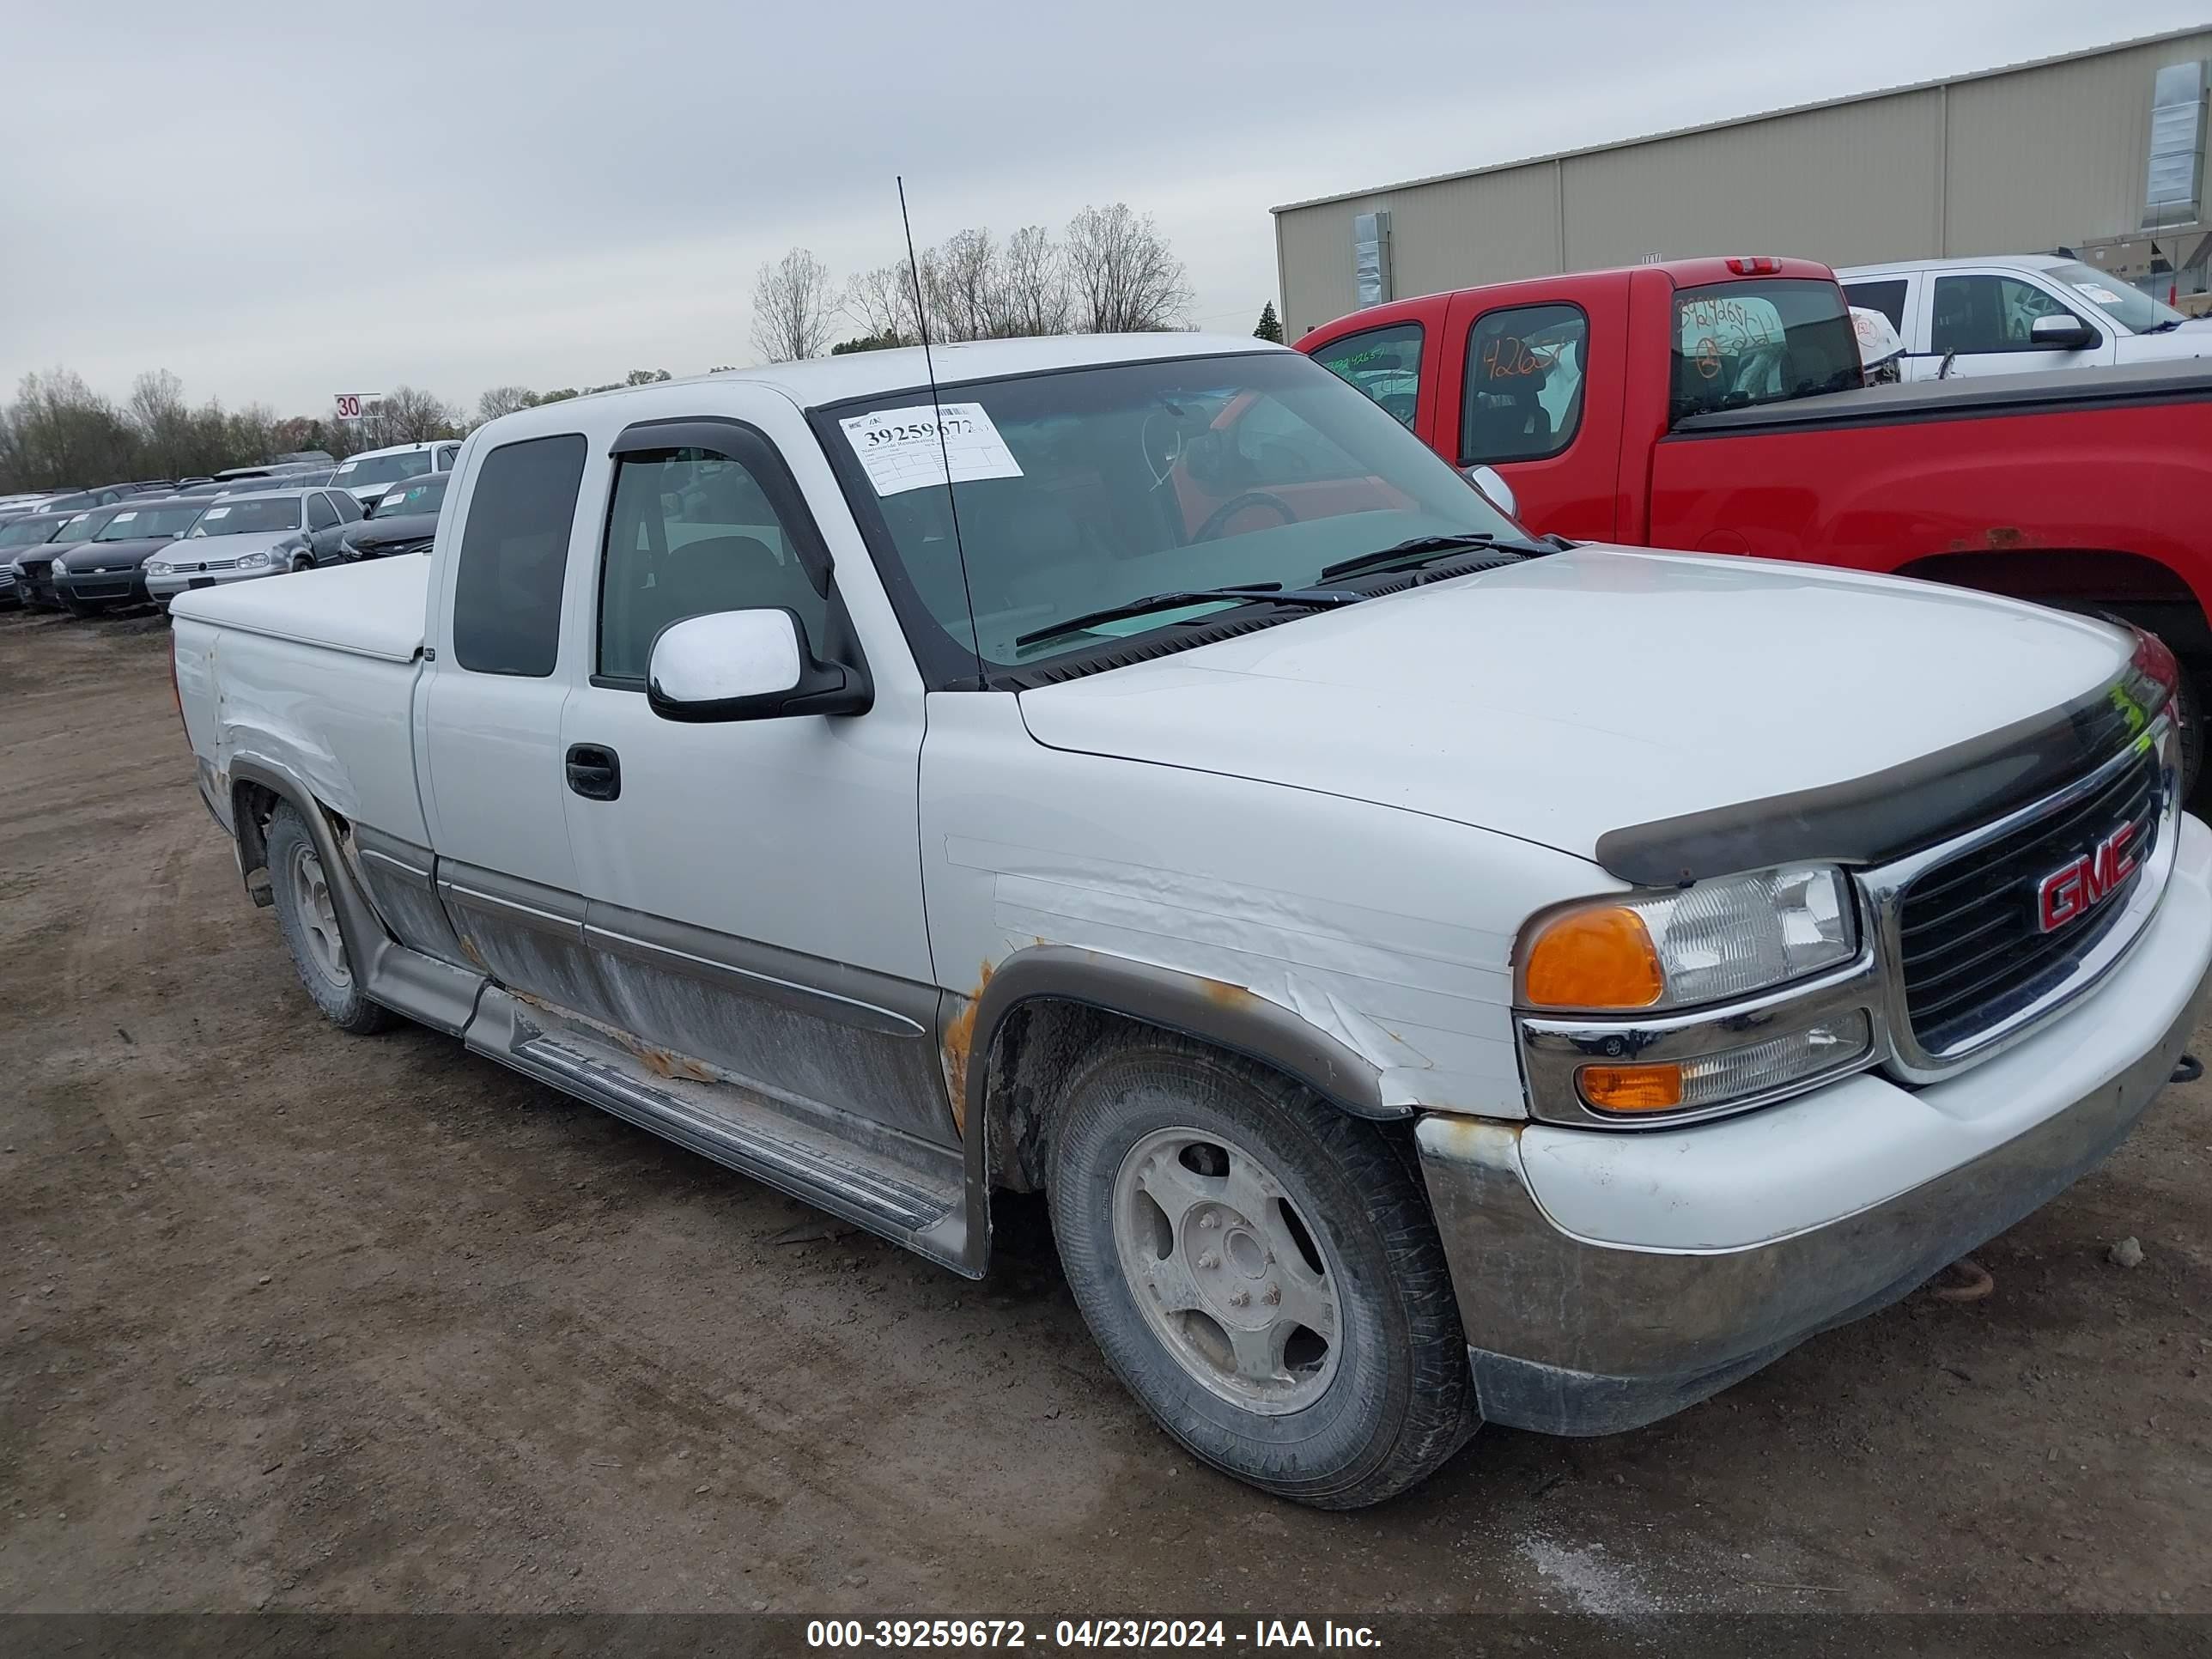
(2020, 313)
(1436, 976)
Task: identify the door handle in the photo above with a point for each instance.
(594, 773)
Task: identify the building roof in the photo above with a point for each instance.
(1746, 120)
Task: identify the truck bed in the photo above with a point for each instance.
(373, 609)
(311, 676)
(2030, 392)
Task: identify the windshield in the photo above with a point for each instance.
(135, 523)
(243, 518)
(1739, 343)
(29, 532)
(382, 469)
(2125, 304)
(1093, 487)
(79, 528)
(410, 498)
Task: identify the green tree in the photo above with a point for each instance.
(866, 342)
(1271, 326)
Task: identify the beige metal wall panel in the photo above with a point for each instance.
(1848, 185)
(2054, 155)
(1457, 232)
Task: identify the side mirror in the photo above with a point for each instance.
(2060, 331)
(746, 666)
(1491, 482)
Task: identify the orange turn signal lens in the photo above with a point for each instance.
(1593, 958)
(1631, 1088)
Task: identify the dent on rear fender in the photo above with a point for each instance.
(1421, 1001)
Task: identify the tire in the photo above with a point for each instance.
(302, 562)
(311, 930)
(1347, 1418)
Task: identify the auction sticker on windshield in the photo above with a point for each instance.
(218, 513)
(122, 518)
(900, 448)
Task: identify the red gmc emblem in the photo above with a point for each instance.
(2078, 888)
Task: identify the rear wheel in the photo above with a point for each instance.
(1261, 1271)
(306, 914)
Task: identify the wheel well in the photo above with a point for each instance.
(251, 805)
(1031, 1052)
(2094, 580)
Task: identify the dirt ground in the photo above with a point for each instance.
(299, 1320)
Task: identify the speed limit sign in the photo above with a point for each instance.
(353, 404)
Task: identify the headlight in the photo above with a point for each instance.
(57, 568)
(157, 567)
(253, 561)
(1704, 943)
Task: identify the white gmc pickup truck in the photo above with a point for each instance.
(1437, 976)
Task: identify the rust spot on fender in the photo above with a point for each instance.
(1227, 995)
(2003, 537)
(469, 949)
(959, 1036)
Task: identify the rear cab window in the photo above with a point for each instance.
(514, 556)
(1737, 345)
(1885, 294)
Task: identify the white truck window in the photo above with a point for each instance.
(691, 532)
(1975, 314)
(514, 554)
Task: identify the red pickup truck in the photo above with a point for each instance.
(1717, 404)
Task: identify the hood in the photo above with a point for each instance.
(2189, 340)
(196, 549)
(1564, 697)
(116, 555)
(405, 528)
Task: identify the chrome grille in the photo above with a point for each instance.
(1971, 943)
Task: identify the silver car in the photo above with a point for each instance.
(239, 537)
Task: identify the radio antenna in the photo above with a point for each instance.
(937, 419)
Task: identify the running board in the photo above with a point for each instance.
(930, 1217)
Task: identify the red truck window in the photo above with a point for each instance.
(1761, 342)
(1525, 383)
(1385, 364)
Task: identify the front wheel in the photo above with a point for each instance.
(1261, 1271)
(306, 914)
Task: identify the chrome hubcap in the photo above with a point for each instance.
(1225, 1270)
(318, 917)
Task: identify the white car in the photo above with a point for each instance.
(368, 474)
(1435, 976)
(239, 537)
(2021, 313)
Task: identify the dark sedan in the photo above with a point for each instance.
(109, 570)
(404, 521)
(33, 567)
(22, 536)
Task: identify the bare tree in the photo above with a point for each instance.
(504, 400)
(880, 304)
(1033, 297)
(410, 415)
(1125, 278)
(791, 308)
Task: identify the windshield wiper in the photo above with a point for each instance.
(1421, 550)
(1316, 598)
(2167, 326)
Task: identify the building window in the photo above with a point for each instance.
(1525, 383)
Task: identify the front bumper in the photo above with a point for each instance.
(162, 589)
(1607, 1278)
(101, 586)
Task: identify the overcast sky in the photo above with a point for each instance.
(456, 196)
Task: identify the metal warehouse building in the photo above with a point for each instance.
(2099, 151)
